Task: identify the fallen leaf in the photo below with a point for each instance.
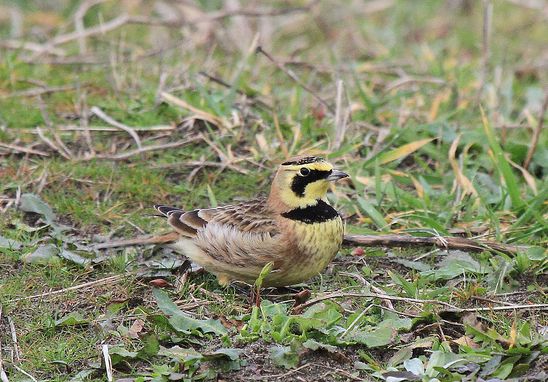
(136, 328)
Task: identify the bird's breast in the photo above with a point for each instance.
(314, 246)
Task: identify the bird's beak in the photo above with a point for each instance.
(336, 175)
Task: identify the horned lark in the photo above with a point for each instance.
(295, 228)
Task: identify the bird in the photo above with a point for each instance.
(294, 228)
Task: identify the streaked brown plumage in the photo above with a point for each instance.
(295, 228)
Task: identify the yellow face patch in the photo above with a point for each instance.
(304, 181)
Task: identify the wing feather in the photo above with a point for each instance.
(253, 216)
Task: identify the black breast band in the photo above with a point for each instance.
(319, 213)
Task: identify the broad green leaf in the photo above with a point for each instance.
(402, 151)
(72, 319)
(414, 366)
(183, 323)
(74, 257)
(284, 356)
(456, 264)
(150, 348)
(381, 336)
(179, 353)
(33, 203)
(232, 354)
(400, 356)
(44, 254)
(9, 243)
(120, 353)
(315, 345)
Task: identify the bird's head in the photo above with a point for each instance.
(301, 181)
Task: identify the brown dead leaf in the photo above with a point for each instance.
(466, 341)
(159, 283)
(136, 328)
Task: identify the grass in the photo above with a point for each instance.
(412, 88)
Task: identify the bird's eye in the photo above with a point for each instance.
(304, 171)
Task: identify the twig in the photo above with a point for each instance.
(334, 295)
(101, 114)
(279, 376)
(79, 21)
(40, 91)
(131, 153)
(105, 280)
(340, 120)
(108, 363)
(459, 243)
(25, 150)
(3, 375)
(450, 307)
(390, 241)
(30, 46)
(14, 340)
(48, 142)
(141, 240)
(24, 373)
(536, 133)
(406, 80)
(113, 129)
(295, 78)
(485, 47)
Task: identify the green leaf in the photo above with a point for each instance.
(381, 336)
(455, 264)
(373, 213)
(44, 254)
(120, 353)
(33, 203)
(230, 353)
(9, 243)
(150, 348)
(315, 345)
(414, 366)
(73, 257)
(72, 319)
(264, 272)
(180, 354)
(284, 356)
(180, 322)
(501, 163)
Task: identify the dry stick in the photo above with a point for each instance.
(141, 240)
(30, 46)
(79, 21)
(40, 91)
(450, 307)
(536, 133)
(105, 280)
(101, 114)
(365, 240)
(51, 144)
(3, 375)
(485, 48)
(444, 242)
(113, 129)
(108, 363)
(294, 77)
(145, 149)
(23, 149)
(14, 340)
